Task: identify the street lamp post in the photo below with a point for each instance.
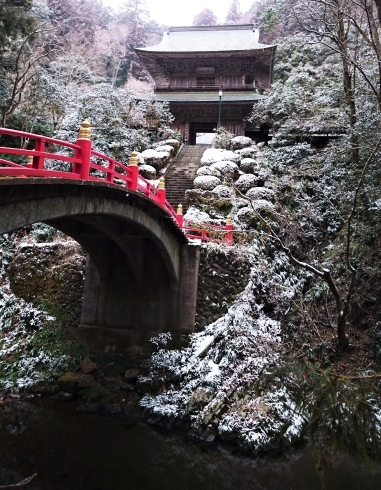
(219, 109)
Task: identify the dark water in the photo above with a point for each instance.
(77, 451)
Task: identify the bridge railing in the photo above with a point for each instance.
(206, 232)
(88, 164)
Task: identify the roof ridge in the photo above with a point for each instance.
(230, 27)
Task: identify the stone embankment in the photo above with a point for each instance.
(50, 275)
(224, 273)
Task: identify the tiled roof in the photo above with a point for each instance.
(230, 96)
(207, 39)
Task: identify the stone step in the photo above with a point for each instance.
(182, 172)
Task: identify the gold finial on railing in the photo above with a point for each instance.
(85, 131)
(134, 160)
(179, 209)
(229, 220)
(161, 183)
(30, 160)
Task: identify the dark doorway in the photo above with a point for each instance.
(200, 127)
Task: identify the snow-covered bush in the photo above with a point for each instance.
(247, 152)
(174, 143)
(223, 139)
(223, 192)
(246, 182)
(196, 215)
(247, 165)
(226, 168)
(261, 193)
(120, 120)
(206, 182)
(165, 148)
(208, 171)
(30, 347)
(240, 142)
(211, 155)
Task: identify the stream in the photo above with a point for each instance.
(72, 450)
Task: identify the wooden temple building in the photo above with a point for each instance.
(210, 75)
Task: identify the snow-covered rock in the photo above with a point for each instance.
(206, 182)
(223, 192)
(226, 168)
(246, 182)
(213, 155)
(208, 171)
(147, 171)
(249, 214)
(171, 142)
(165, 148)
(196, 215)
(241, 142)
(247, 152)
(261, 193)
(247, 165)
(154, 158)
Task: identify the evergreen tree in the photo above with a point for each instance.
(15, 19)
(234, 12)
(75, 22)
(205, 18)
(135, 17)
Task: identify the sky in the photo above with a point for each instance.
(176, 13)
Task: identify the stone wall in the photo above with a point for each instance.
(50, 275)
(224, 272)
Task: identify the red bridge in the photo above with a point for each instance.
(90, 165)
(142, 269)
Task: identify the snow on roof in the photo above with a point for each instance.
(208, 38)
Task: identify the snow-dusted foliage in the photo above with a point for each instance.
(206, 182)
(223, 191)
(120, 119)
(226, 168)
(246, 182)
(197, 216)
(260, 193)
(247, 165)
(215, 379)
(248, 152)
(240, 142)
(24, 360)
(208, 171)
(214, 155)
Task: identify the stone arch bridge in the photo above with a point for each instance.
(141, 275)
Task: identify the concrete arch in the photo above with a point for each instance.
(141, 275)
(29, 201)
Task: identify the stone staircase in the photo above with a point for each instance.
(180, 175)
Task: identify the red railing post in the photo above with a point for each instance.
(110, 173)
(229, 231)
(38, 161)
(179, 216)
(161, 192)
(133, 171)
(84, 141)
